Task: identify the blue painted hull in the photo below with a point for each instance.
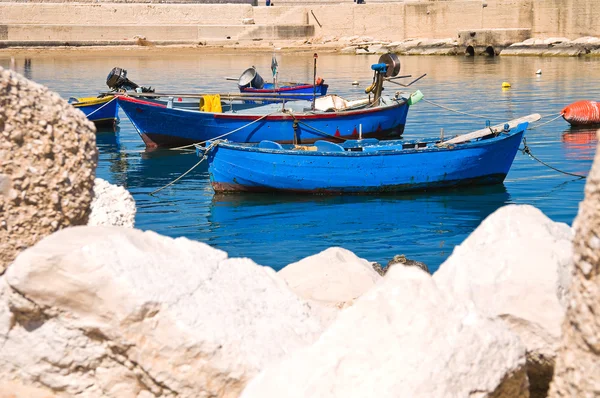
(160, 126)
(390, 166)
(305, 90)
(102, 113)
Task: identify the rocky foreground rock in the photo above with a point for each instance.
(47, 164)
(112, 206)
(578, 365)
(404, 338)
(521, 279)
(334, 278)
(115, 312)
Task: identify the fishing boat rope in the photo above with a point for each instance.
(96, 110)
(313, 128)
(224, 135)
(527, 150)
(490, 118)
(549, 121)
(459, 112)
(206, 150)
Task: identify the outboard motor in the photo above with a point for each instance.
(388, 66)
(117, 81)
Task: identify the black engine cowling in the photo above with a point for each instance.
(117, 81)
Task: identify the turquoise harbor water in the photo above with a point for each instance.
(277, 230)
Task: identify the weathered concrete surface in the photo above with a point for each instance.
(391, 21)
(117, 312)
(48, 159)
(555, 46)
(522, 279)
(404, 338)
(491, 41)
(112, 206)
(578, 364)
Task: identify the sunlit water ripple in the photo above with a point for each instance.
(277, 230)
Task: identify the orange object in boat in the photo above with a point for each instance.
(582, 113)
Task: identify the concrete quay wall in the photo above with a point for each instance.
(208, 22)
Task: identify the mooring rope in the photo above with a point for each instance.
(224, 135)
(457, 111)
(96, 110)
(494, 118)
(549, 121)
(314, 128)
(206, 150)
(527, 150)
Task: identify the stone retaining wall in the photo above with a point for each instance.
(381, 20)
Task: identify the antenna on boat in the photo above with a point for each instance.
(315, 56)
(274, 66)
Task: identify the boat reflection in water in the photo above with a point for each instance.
(276, 230)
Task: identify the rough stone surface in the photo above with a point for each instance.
(48, 159)
(555, 46)
(400, 259)
(112, 206)
(522, 279)
(18, 390)
(403, 338)
(117, 312)
(333, 278)
(578, 364)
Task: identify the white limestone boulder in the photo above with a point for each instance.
(587, 40)
(403, 338)
(333, 278)
(117, 312)
(517, 266)
(112, 205)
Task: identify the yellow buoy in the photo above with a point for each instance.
(505, 85)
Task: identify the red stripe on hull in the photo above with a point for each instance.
(331, 115)
(139, 101)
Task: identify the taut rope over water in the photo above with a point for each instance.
(491, 118)
(206, 150)
(224, 135)
(527, 151)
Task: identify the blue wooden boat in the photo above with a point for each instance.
(366, 166)
(175, 124)
(250, 82)
(292, 91)
(103, 111)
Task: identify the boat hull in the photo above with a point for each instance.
(104, 112)
(304, 91)
(161, 126)
(236, 169)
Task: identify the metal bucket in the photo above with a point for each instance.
(251, 78)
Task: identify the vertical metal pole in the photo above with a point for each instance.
(315, 56)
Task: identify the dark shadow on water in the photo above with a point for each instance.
(424, 226)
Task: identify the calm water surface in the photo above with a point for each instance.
(277, 230)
